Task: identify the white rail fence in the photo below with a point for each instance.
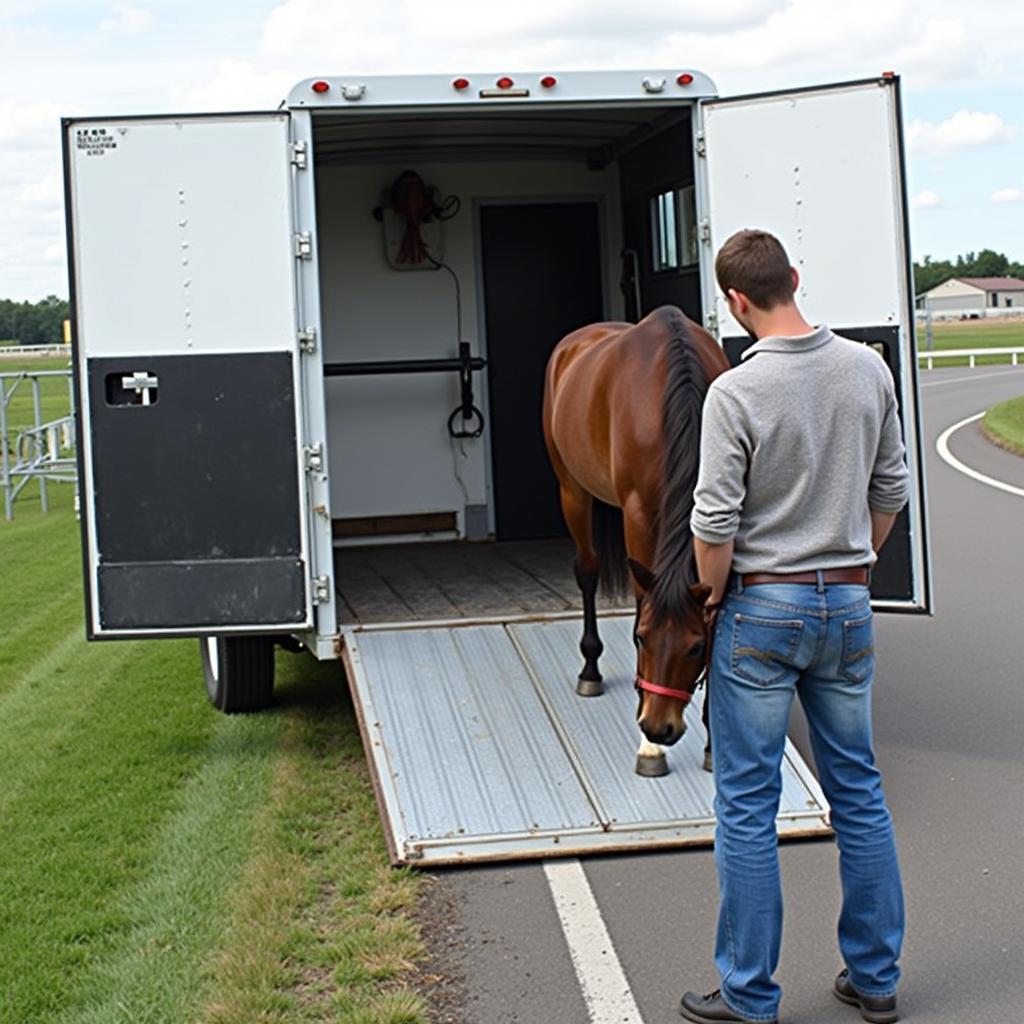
(970, 354)
(35, 350)
(42, 450)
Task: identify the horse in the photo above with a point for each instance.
(621, 417)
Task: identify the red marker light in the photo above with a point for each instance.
(888, 74)
(460, 84)
(320, 86)
(685, 78)
(549, 81)
(504, 83)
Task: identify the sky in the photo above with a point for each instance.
(961, 66)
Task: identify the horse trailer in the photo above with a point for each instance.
(309, 348)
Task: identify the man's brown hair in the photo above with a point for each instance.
(754, 262)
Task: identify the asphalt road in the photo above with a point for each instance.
(949, 711)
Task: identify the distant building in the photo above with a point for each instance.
(974, 295)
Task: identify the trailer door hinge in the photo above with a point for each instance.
(705, 230)
(299, 156)
(307, 340)
(702, 148)
(303, 245)
(321, 590)
(314, 457)
(711, 322)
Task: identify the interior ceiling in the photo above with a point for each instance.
(597, 136)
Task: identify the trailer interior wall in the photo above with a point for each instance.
(389, 450)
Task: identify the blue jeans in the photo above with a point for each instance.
(771, 641)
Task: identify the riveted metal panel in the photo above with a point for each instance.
(481, 749)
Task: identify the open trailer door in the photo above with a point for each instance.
(183, 264)
(823, 169)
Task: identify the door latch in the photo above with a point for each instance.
(314, 457)
(303, 245)
(321, 590)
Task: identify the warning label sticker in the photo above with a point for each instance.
(94, 141)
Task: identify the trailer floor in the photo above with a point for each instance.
(454, 580)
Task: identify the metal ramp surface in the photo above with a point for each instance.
(481, 750)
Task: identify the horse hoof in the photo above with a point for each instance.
(651, 767)
(589, 687)
(707, 760)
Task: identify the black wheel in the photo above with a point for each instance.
(239, 672)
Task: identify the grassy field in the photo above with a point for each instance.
(163, 863)
(952, 334)
(1004, 424)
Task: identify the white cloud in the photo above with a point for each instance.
(925, 200)
(964, 130)
(128, 20)
(1007, 195)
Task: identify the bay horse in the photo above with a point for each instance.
(622, 413)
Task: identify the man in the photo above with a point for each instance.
(802, 474)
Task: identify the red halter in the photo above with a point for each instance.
(668, 691)
(665, 691)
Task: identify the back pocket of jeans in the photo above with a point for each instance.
(858, 649)
(763, 649)
(858, 660)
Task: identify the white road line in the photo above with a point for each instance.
(973, 376)
(603, 982)
(942, 447)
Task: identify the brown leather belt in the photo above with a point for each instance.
(855, 575)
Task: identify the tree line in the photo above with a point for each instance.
(39, 323)
(986, 263)
(33, 323)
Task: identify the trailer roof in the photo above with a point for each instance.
(505, 89)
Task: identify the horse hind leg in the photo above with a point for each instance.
(589, 683)
(651, 762)
(577, 508)
(707, 727)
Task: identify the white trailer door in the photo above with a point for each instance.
(183, 267)
(823, 170)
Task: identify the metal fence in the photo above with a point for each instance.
(35, 350)
(41, 450)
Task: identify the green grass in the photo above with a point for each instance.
(160, 862)
(952, 334)
(1004, 424)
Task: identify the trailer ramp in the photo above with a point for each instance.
(481, 750)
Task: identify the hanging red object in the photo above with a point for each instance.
(411, 200)
(320, 86)
(504, 83)
(460, 84)
(685, 78)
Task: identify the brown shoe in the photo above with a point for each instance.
(875, 1009)
(713, 1009)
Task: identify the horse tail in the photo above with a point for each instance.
(610, 547)
(686, 384)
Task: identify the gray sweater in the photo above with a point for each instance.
(798, 443)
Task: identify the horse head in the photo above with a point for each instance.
(671, 647)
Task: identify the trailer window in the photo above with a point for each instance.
(674, 229)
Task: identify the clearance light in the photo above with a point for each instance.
(320, 87)
(460, 84)
(685, 78)
(504, 83)
(549, 81)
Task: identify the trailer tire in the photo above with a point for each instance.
(238, 671)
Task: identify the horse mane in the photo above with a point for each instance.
(686, 384)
